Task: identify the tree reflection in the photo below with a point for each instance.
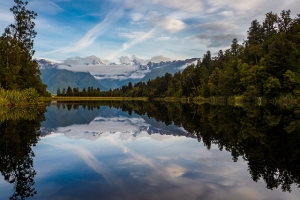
(19, 131)
(268, 137)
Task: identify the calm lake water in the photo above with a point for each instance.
(144, 150)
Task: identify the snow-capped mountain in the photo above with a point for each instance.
(90, 60)
(45, 64)
(110, 74)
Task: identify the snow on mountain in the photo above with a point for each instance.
(136, 128)
(90, 60)
(112, 75)
(187, 64)
(45, 64)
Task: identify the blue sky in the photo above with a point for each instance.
(109, 29)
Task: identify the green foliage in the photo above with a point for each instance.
(265, 65)
(272, 87)
(17, 69)
(17, 97)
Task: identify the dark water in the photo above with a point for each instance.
(143, 150)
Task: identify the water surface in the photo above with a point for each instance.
(140, 150)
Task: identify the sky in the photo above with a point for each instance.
(110, 29)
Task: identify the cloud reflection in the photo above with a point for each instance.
(175, 168)
(95, 164)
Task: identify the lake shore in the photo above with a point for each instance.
(237, 100)
(94, 98)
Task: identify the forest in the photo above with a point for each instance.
(266, 65)
(18, 71)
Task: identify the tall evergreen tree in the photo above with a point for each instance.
(17, 69)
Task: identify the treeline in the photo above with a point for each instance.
(18, 71)
(95, 92)
(265, 65)
(76, 92)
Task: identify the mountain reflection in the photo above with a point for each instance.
(19, 132)
(268, 137)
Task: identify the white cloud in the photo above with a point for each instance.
(169, 24)
(220, 26)
(93, 33)
(163, 38)
(78, 61)
(260, 7)
(107, 70)
(182, 68)
(173, 25)
(125, 59)
(186, 5)
(45, 6)
(139, 39)
(221, 40)
(236, 4)
(226, 13)
(131, 35)
(135, 16)
(140, 60)
(160, 58)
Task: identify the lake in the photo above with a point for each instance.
(149, 150)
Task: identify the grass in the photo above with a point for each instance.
(55, 98)
(18, 97)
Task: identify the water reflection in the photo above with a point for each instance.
(133, 150)
(19, 132)
(266, 137)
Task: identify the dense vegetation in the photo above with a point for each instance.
(16, 97)
(267, 64)
(17, 69)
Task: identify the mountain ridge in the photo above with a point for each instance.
(103, 74)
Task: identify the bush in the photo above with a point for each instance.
(17, 97)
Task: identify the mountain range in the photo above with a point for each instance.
(56, 78)
(95, 72)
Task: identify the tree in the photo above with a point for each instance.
(17, 69)
(23, 28)
(69, 91)
(270, 24)
(272, 87)
(285, 21)
(58, 93)
(234, 47)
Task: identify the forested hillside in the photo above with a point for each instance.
(266, 64)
